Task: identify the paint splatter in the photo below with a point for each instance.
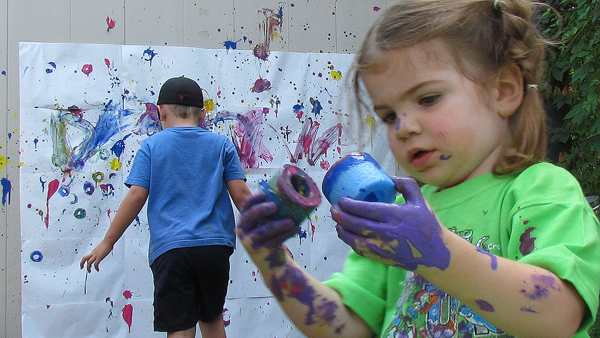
(527, 242)
(6, 190)
(299, 111)
(336, 75)
(87, 69)
(36, 256)
(233, 44)
(317, 107)
(51, 67)
(270, 27)
(88, 188)
(149, 122)
(149, 55)
(528, 309)
(311, 147)
(110, 23)
(445, 157)
(128, 315)
(493, 257)
(79, 213)
(376, 9)
(261, 85)
(52, 188)
(485, 306)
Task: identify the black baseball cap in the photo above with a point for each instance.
(181, 90)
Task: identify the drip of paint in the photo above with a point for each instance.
(128, 315)
(6, 190)
(52, 188)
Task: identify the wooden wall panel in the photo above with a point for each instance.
(3, 155)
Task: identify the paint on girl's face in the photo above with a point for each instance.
(398, 123)
(445, 157)
(527, 242)
(485, 306)
(492, 256)
(294, 284)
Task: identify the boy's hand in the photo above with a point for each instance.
(262, 237)
(96, 256)
(404, 236)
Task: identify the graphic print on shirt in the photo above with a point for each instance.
(423, 310)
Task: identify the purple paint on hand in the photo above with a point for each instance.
(528, 309)
(404, 236)
(485, 306)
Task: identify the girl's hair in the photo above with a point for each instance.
(482, 36)
(184, 111)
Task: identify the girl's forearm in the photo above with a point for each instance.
(518, 298)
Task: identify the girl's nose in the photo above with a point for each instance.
(406, 126)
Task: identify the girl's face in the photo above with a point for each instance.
(442, 128)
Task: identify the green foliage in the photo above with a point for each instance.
(573, 72)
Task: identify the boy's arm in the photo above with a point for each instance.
(316, 309)
(239, 191)
(130, 207)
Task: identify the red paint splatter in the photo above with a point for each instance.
(128, 315)
(325, 165)
(376, 9)
(110, 23)
(47, 306)
(127, 294)
(52, 188)
(87, 69)
(261, 85)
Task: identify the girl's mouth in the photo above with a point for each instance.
(421, 158)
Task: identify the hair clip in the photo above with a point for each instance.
(533, 86)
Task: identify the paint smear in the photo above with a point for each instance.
(52, 188)
(483, 305)
(261, 85)
(527, 242)
(312, 147)
(128, 315)
(270, 27)
(110, 23)
(6, 190)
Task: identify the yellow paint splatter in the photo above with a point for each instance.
(3, 162)
(371, 123)
(336, 75)
(115, 164)
(209, 105)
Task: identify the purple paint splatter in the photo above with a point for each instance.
(261, 85)
(527, 242)
(493, 257)
(483, 305)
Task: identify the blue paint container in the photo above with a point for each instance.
(294, 192)
(358, 176)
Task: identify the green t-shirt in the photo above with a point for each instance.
(539, 217)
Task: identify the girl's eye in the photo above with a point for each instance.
(429, 99)
(389, 118)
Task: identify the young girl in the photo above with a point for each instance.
(497, 242)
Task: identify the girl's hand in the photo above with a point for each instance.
(405, 236)
(96, 256)
(262, 236)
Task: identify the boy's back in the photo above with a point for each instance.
(185, 170)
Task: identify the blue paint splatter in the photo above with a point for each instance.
(445, 157)
(232, 44)
(149, 54)
(119, 146)
(316, 106)
(4, 72)
(51, 68)
(36, 256)
(88, 187)
(6, 191)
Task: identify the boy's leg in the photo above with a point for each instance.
(213, 329)
(189, 333)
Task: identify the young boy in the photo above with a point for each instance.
(185, 172)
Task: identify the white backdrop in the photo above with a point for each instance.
(85, 110)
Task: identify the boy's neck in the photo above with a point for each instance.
(180, 122)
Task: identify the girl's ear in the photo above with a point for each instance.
(509, 90)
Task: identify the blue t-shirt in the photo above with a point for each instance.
(185, 170)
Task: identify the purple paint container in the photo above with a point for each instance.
(294, 192)
(359, 177)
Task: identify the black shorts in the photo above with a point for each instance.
(190, 285)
